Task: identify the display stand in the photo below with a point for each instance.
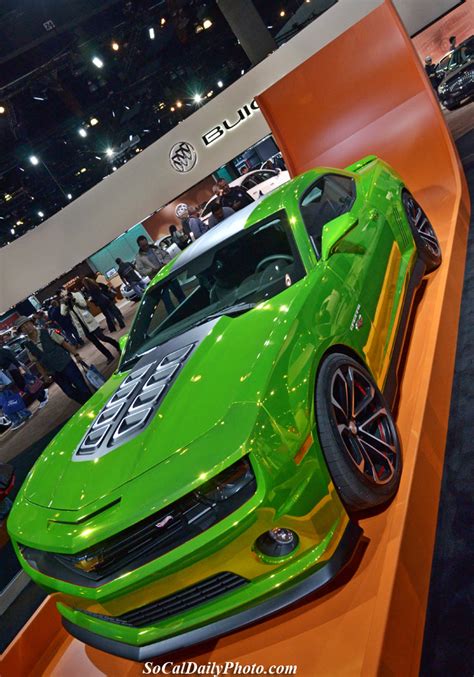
(364, 93)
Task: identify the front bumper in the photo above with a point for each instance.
(271, 605)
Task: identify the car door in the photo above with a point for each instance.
(366, 259)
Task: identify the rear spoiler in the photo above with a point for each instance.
(357, 166)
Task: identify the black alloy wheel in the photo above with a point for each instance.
(357, 433)
(423, 232)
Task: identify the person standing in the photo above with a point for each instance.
(219, 213)
(192, 225)
(430, 70)
(101, 295)
(128, 274)
(75, 305)
(178, 237)
(54, 354)
(65, 323)
(149, 261)
(17, 371)
(234, 197)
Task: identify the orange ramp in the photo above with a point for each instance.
(364, 93)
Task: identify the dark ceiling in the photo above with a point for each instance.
(50, 88)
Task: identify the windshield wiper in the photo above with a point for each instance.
(236, 309)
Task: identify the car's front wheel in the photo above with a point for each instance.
(358, 436)
(423, 232)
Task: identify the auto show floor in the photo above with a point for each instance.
(448, 647)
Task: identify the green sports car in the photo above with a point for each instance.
(217, 476)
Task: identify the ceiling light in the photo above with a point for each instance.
(197, 98)
(83, 170)
(7, 197)
(115, 46)
(34, 160)
(97, 62)
(162, 21)
(2, 110)
(130, 137)
(109, 152)
(178, 104)
(209, 94)
(12, 231)
(19, 223)
(151, 33)
(114, 169)
(41, 214)
(199, 28)
(39, 98)
(207, 23)
(242, 71)
(282, 13)
(69, 196)
(172, 109)
(220, 83)
(127, 107)
(82, 132)
(94, 122)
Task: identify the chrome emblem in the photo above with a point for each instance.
(183, 156)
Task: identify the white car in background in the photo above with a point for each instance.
(166, 243)
(257, 183)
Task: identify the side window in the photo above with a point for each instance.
(329, 197)
(249, 183)
(265, 175)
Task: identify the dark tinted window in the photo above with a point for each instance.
(329, 197)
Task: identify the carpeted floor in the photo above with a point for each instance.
(449, 639)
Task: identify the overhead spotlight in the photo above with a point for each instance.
(109, 152)
(41, 214)
(151, 33)
(114, 169)
(197, 98)
(115, 46)
(130, 137)
(19, 223)
(179, 104)
(209, 94)
(207, 23)
(199, 28)
(12, 231)
(93, 122)
(242, 71)
(97, 157)
(34, 160)
(97, 62)
(282, 13)
(82, 132)
(39, 98)
(162, 21)
(83, 170)
(220, 83)
(172, 109)
(2, 110)
(69, 196)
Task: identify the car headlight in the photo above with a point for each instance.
(153, 536)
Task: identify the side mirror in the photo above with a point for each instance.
(123, 341)
(334, 231)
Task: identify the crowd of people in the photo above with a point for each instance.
(53, 335)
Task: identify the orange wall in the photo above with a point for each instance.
(158, 223)
(434, 41)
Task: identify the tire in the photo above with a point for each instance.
(362, 452)
(423, 232)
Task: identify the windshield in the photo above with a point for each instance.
(232, 277)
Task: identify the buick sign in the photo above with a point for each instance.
(225, 126)
(183, 156)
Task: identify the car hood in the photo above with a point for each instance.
(231, 361)
(452, 75)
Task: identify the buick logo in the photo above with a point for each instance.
(183, 156)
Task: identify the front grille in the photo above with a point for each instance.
(178, 602)
(154, 536)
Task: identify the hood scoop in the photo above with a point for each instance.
(134, 404)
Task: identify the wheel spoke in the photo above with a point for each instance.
(373, 440)
(367, 461)
(351, 386)
(344, 406)
(366, 401)
(370, 450)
